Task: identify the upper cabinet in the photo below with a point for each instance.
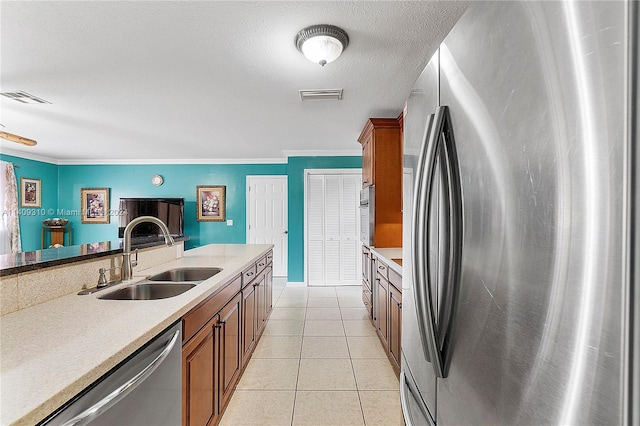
(381, 152)
(381, 141)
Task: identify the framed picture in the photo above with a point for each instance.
(95, 205)
(211, 203)
(30, 192)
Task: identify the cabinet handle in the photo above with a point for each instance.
(380, 267)
(250, 274)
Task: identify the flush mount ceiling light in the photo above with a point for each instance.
(322, 43)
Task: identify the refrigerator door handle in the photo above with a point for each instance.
(418, 241)
(454, 238)
(438, 341)
(403, 399)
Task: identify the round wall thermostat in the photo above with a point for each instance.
(157, 180)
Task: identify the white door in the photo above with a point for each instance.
(332, 227)
(267, 217)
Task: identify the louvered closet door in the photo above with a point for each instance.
(333, 256)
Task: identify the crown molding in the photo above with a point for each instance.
(102, 161)
(29, 156)
(323, 153)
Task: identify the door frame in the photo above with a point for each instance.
(307, 173)
(248, 206)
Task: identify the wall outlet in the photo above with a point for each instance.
(230, 222)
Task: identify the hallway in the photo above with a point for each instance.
(319, 362)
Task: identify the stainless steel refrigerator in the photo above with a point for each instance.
(520, 245)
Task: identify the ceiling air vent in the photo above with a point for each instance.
(24, 97)
(321, 95)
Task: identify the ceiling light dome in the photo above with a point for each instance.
(322, 43)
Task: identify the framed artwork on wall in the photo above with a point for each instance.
(95, 205)
(211, 203)
(30, 193)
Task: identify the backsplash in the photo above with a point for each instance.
(26, 289)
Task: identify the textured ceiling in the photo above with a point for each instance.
(205, 81)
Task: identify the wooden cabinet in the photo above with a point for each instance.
(219, 336)
(230, 360)
(367, 162)
(367, 293)
(388, 316)
(395, 325)
(199, 384)
(381, 141)
(248, 323)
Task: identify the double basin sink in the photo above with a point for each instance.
(163, 285)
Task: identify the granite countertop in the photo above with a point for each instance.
(38, 259)
(52, 351)
(388, 254)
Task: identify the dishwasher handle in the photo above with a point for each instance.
(99, 407)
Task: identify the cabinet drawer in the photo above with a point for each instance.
(382, 269)
(196, 318)
(261, 264)
(395, 279)
(249, 275)
(270, 258)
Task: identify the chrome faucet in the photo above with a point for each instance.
(127, 264)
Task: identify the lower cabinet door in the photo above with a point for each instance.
(268, 276)
(199, 381)
(383, 307)
(395, 325)
(248, 322)
(230, 363)
(261, 309)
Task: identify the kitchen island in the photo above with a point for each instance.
(53, 350)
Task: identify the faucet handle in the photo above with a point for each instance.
(134, 262)
(102, 279)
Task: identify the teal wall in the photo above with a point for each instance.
(179, 181)
(62, 185)
(31, 218)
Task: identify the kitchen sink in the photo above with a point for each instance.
(148, 291)
(185, 274)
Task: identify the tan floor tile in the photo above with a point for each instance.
(323, 314)
(288, 313)
(322, 302)
(349, 290)
(295, 292)
(324, 347)
(278, 347)
(354, 313)
(350, 301)
(270, 374)
(323, 328)
(381, 408)
(268, 408)
(284, 328)
(365, 347)
(327, 409)
(322, 292)
(326, 374)
(375, 374)
(359, 328)
(291, 302)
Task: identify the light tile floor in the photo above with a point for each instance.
(319, 362)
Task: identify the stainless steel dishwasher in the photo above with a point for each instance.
(145, 389)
